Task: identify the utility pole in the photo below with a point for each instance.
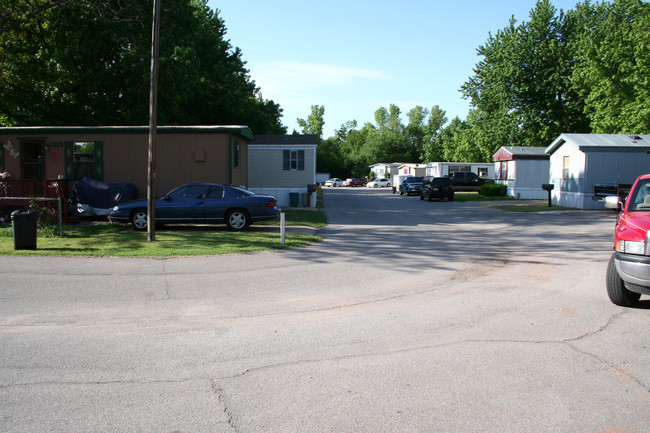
(153, 124)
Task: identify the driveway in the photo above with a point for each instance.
(410, 316)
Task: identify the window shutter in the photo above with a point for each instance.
(98, 166)
(286, 160)
(301, 160)
(68, 158)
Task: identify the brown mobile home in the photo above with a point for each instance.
(116, 154)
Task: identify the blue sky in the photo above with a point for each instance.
(353, 57)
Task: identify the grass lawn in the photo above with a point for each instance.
(516, 206)
(118, 240)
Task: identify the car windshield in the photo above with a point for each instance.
(414, 179)
(640, 199)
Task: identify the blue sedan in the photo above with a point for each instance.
(203, 203)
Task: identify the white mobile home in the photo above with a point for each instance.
(283, 165)
(385, 170)
(440, 169)
(579, 162)
(523, 170)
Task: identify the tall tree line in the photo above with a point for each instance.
(583, 71)
(86, 62)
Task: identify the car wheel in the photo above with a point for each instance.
(616, 289)
(139, 220)
(375, 186)
(430, 197)
(451, 197)
(237, 220)
(421, 196)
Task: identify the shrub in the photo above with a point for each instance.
(494, 190)
(45, 216)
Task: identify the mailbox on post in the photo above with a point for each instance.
(548, 187)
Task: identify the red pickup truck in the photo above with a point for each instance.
(628, 271)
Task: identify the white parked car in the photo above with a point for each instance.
(378, 183)
(335, 181)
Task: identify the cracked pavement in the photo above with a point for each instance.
(410, 316)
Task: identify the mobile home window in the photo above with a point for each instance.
(482, 171)
(565, 168)
(293, 160)
(83, 159)
(455, 168)
(236, 157)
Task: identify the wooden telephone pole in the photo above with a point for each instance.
(153, 124)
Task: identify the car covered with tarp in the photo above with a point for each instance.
(90, 197)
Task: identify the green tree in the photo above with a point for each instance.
(329, 158)
(522, 89)
(387, 141)
(356, 157)
(77, 62)
(435, 121)
(314, 122)
(614, 60)
(415, 133)
(456, 143)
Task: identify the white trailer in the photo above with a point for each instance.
(440, 169)
(397, 180)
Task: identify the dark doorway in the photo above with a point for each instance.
(31, 162)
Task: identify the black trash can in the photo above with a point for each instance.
(23, 224)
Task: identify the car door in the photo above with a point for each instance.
(186, 203)
(216, 204)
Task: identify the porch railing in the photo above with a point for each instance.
(21, 189)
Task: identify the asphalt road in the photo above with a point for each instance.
(410, 317)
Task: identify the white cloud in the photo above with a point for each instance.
(299, 80)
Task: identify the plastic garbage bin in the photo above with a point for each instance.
(293, 199)
(23, 224)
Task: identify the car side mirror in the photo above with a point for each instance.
(167, 198)
(612, 201)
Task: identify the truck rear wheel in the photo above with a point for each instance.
(616, 289)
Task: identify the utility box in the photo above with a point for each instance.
(23, 224)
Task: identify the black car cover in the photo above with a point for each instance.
(90, 197)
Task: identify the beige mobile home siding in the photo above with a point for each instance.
(180, 159)
(265, 167)
(181, 156)
(176, 162)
